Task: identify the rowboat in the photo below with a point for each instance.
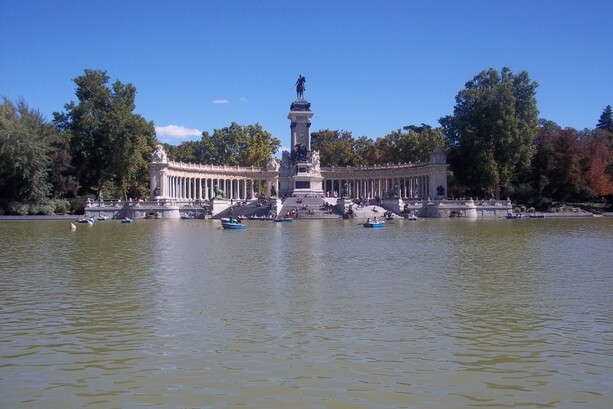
(374, 224)
(283, 219)
(232, 224)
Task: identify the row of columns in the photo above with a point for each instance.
(414, 187)
(195, 188)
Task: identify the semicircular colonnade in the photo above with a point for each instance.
(189, 181)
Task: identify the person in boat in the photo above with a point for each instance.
(375, 219)
(368, 220)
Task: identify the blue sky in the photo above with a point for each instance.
(371, 66)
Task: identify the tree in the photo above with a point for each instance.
(543, 159)
(491, 132)
(261, 145)
(336, 148)
(187, 151)
(596, 158)
(389, 147)
(25, 154)
(606, 119)
(235, 145)
(110, 146)
(366, 152)
(248, 145)
(415, 145)
(565, 173)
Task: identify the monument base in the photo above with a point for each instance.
(343, 203)
(218, 205)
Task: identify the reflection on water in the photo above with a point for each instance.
(313, 314)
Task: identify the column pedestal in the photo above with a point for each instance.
(218, 205)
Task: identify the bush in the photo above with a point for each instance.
(543, 203)
(77, 204)
(61, 206)
(22, 209)
(586, 195)
(46, 209)
(522, 193)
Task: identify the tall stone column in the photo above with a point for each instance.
(300, 116)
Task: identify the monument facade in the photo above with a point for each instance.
(299, 173)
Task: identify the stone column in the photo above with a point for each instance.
(162, 184)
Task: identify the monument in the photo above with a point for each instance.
(303, 173)
(300, 171)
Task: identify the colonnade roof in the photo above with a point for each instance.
(386, 170)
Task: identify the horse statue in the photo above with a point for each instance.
(300, 87)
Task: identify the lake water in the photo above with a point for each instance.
(310, 314)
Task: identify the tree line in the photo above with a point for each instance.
(97, 146)
(496, 146)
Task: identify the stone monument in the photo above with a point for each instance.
(159, 161)
(300, 171)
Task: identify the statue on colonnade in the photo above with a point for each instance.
(159, 156)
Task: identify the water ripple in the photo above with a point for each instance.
(436, 314)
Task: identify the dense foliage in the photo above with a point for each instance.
(491, 131)
(413, 144)
(25, 153)
(248, 145)
(110, 146)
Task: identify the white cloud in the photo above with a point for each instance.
(176, 132)
(243, 99)
(221, 101)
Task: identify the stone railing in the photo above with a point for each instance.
(215, 168)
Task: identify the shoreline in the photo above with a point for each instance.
(74, 216)
(40, 217)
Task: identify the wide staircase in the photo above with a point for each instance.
(302, 207)
(310, 207)
(252, 209)
(364, 212)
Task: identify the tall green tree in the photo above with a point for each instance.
(416, 144)
(248, 145)
(366, 152)
(186, 151)
(606, 119)
(26, 150)
(110, 145)
(565, 174)
(389, 147)
(261, 145)
(336, 148)
(544, 159)
(491, 131)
